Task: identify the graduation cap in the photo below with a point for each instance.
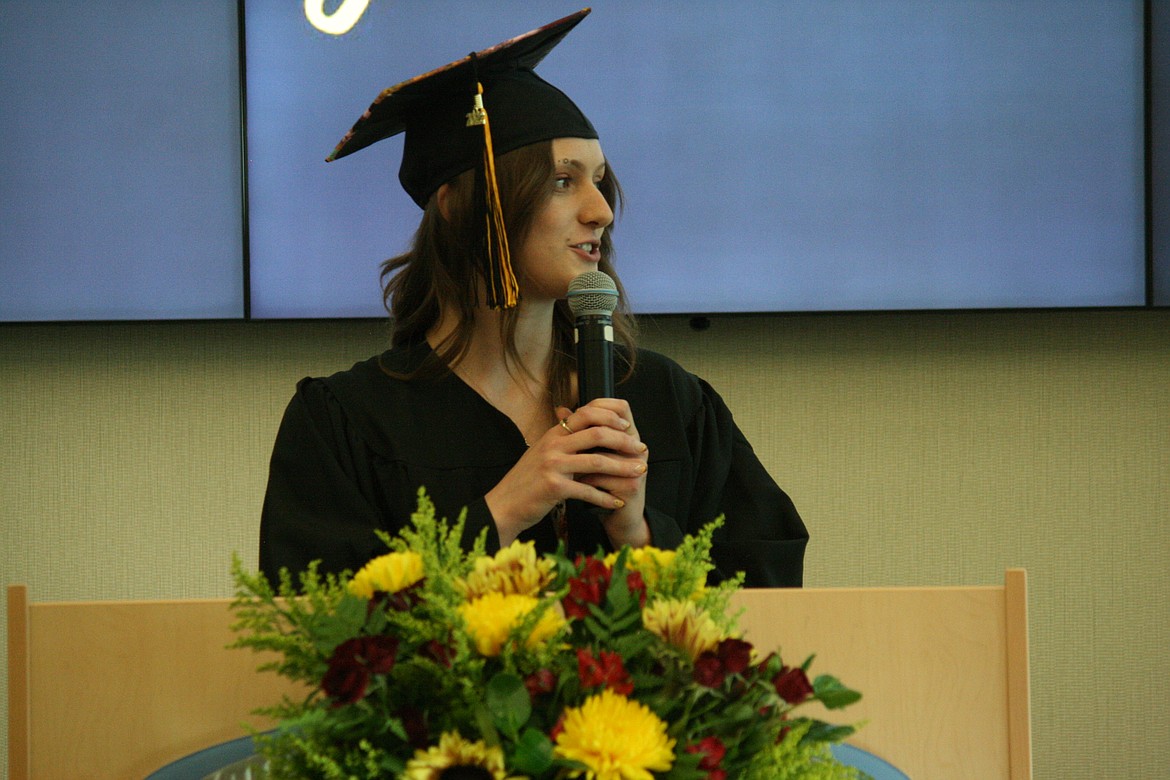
(460, 116)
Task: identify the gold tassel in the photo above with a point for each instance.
(504, 291)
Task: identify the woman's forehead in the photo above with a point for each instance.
(582, 151)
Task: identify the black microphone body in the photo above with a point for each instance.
(592, 298)
(594, 335)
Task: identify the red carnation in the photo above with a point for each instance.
(345, 683)
(414, 723)
(402, 601)
(709, 670)
(735, 655)
(607, 670)
(406, 599)
(792, 684)
(731, 656)
(557, 728)
(540, 682)
(588, 587)
(637, 586)
(352, 663)
(712, 750)
(437, 652)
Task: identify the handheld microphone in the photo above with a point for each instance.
(592, 298)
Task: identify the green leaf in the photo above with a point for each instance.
(826, 732)
(739, 711)
(483, 721)
(617, 597)
(533, 753)
(348, 617)
(508, 702)
(686, 767)
(829, 691)
(629, 620)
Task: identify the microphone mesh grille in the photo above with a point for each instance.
(592, 293)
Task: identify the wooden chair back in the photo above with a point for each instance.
(118, 689)
(943, 671)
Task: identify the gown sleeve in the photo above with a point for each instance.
(322, 489)
(762, 533)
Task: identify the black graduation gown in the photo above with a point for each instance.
(354, 448)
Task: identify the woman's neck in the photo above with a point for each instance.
(533, 337)
(515, 384)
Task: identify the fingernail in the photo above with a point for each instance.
(618, 503)
(640, 468)
(642, 446)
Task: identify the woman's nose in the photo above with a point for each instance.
(596, 210)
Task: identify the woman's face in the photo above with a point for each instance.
(564, 239)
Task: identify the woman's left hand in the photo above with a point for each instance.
(627, 523)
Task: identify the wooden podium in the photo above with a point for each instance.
(117, 689)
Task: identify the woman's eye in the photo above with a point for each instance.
(562, 182)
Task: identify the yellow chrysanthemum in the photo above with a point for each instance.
(514, 569)
(616, 738)
(388, 573)
(454, 750)
(682, 624)
(491, 618)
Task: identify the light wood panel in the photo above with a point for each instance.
(117, 689)
(943, 671)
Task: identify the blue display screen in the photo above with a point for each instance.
(831, 155)
(776, 156)
(120, 194)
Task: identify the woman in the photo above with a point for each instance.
(476, 399)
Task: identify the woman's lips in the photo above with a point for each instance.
(590, 249)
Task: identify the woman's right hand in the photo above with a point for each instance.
(599, 438)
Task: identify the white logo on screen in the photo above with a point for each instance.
(341, 21)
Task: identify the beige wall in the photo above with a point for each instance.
(920, 448)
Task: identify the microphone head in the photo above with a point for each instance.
(593, 293)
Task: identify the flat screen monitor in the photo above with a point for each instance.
(120, 182)
(775, 156)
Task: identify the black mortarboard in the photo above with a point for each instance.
(460, 116)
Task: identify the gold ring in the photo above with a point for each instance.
(565, 425)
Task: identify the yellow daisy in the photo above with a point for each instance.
(682, 624)
(648, 560)
(615, 738)
(454, 750)
(491, 618)
(388, 573)
(514, 569)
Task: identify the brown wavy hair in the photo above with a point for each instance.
(444, 267)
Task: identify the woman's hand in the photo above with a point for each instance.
(623, 481)
(594, 455)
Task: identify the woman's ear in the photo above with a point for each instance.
(443, 195)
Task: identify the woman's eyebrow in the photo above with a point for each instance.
(580, 166)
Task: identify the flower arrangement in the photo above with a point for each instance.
(435, 663)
